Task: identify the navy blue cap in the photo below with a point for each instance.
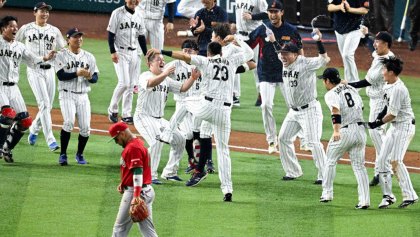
(41, 5)
(331, 74)
(73, 32)
(289, 47)
(276, 5)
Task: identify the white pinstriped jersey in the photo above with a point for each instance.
(11, 55)
(299, 80)
(71, 62)
(127, 27)
(348, 101)
(250, 6)
(152, 100)
(218, 75)
(230, 49)
(374, 76)
(181, 74)
(153, 9)
(399, 101)
(40, 40)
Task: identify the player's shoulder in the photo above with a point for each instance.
(146, 74)
(119, 10)
(289, 26)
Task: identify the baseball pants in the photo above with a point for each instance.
(395, 144)
(10, 95)
(127, 70)
(123, 222)
(378, 134)
(347, 44)
(149, 127)
(308, 120)
(267, 90)
(155, 32)
(73, 104)
(42, 83)
(353, 140)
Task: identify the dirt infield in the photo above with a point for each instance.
(94, 25)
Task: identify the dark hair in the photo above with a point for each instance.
(5, 20)
(222, 30)
(151, 55)
(214, 48)
(189, 44)
(393, 64)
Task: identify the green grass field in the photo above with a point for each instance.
(40, 198)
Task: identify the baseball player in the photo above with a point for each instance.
(374, 83)
(399, 114)
(347, 20)
(349, 135)
(14, 118)
(126, 31)
(152, 12)
(154, 88)
(215, 106)
(249, 15)
(40, 38)
(188, 8)
(299, 90)
(136, 179)
(76, 69)
(269, 64)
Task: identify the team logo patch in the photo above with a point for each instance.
(285, 37)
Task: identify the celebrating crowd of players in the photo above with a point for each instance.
(203, 79)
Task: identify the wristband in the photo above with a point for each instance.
(336, 118)
(321, 49)
(166, 52)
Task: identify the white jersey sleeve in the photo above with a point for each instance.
(399, 101)
(374, 76)
(332, 100)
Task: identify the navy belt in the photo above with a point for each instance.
(413, 122)
(244, 33)
(211, 99)
(8, 83)
(74, 92)
(45, 66)
(129, 48)
(300, 108)
(358, 123)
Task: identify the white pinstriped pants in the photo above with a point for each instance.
(308, 120)
(377, 135)
(155, 32)
(218, 115)
(353, 140)
(347, 45)
(149, 127)
(395, 144)
(42, 82)
(267, 90)
(72, 104)
(10, 95)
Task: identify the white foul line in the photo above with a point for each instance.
(246, 148)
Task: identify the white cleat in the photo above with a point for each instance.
(387, 200)
(272, 148)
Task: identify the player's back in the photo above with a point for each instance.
(350, 102)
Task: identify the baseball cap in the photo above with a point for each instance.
(73, 32)
(289, 47)
(331, 74)
(189, 44)
(116, 128)
(276, 5)
(384, 36)
(41, 5)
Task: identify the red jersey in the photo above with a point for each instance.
(135, 155)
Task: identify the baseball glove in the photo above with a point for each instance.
(138, 210)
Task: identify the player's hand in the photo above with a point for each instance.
(120, 189)
(2, 2)
(246, 16)
(364, 30)
(336, 136)
(195, 74)
(233, 28)
(229, 39)
(114, 57)
(194, 21)
(201, 28)
(271, 37)
(345, 82)
(82, 72)
(316, 34)
(49, 56)
(346, 6)
(169, 27)
(342, 7)
(169, 70)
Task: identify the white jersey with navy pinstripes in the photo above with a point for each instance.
(299, 80)
(399, 101)
(40, 40)
(152, 100)
(11, 55)
(127, 27)
(374, 76)
(252, 7)
(230, 49)
(348, 101)
(71, 62)
(153, 9)
(218, 74)
(181, 74)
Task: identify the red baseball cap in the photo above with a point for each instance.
(116, 128)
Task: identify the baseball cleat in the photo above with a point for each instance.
(325, 199)
(227, 197)
(113, 117)
(210, 167)
(32, 139)
(288, 178)
(387, 200)
(127, 120)
(62, 160)
(272, 148)
(374, 181)
(318, 182)
(196, 178)
(361, 207)
(258, 102)
(53, 146)
(407, 203)
(156, 181)
(189, 169)
(172, 178)
(236, 101)
(80, 159)
(7, 155)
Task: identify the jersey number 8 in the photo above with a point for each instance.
(349, 99)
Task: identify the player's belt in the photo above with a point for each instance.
(129, 48)
(9, 83)
(413, 122)
(45, 66)
(74, 92)
(300, 108)
(244, 33)
(358, 123)
(211, 99)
